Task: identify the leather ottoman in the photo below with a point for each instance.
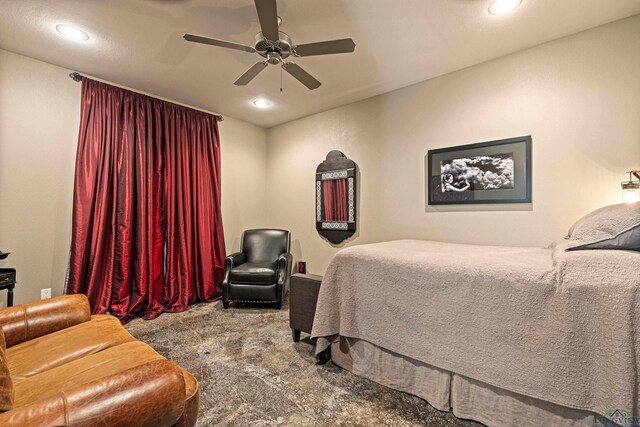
(303, 296)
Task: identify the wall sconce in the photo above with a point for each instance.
(631, 188)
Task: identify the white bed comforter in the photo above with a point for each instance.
(559, 326)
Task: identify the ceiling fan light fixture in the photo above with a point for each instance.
(72, 32)
(261, 103)
(500, 7)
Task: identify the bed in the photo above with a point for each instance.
(501, 335)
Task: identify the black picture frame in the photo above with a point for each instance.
(517, 151)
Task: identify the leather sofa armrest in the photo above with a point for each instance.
(28, 321)
(152, 394)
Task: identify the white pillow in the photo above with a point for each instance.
(611, 227)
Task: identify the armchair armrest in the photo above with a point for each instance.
(230, 261)
(283, 275)
(234, 260)
(28, 321)
(284, 267)
(152, 394)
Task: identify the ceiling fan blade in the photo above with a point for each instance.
(325, 48)
(215, 42)
(268, 17)
(250, 73)
(303, 77)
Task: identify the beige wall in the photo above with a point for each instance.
(39, 118)
(244, 179)
(579, 98)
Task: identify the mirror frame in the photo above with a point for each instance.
(336, 166)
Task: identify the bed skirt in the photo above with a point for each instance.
(467, 398)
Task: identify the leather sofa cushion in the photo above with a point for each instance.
(81, 371)
(49, 351)
(253, 273)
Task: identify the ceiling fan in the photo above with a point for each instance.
(276, 46)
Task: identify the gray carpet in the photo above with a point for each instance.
(252, 374)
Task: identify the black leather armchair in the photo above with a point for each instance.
(260, 272)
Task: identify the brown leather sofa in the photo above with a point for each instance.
(60, 366)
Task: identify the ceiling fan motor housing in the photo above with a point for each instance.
(274, 51)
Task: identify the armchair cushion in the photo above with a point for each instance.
(250, 273)
(264, 245)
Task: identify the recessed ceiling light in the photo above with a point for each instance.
(261, 103)
(72, 32)
(500, 7)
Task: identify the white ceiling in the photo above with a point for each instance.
(138, 44)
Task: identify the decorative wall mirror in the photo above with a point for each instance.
(336, 197)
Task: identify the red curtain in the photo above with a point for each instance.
(147, 231)
(195, 240)
(334, 196)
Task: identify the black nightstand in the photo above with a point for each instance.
(8, 282)
(303, 296)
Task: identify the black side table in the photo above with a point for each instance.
(303, 296)
(8, 282)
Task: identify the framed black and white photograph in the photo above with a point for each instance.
(487, 172)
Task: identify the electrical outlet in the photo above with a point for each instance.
(45, 293)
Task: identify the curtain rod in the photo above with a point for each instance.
(75, 76)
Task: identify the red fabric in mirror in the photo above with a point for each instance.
(147, 177)
(334, 196)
